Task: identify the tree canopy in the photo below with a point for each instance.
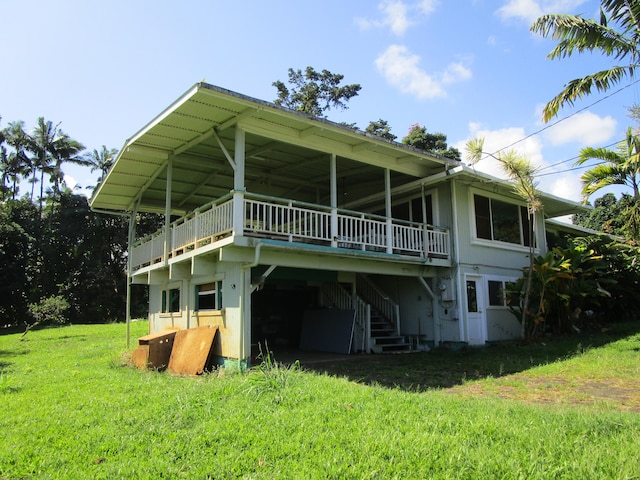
(435, 143)
(314, 92)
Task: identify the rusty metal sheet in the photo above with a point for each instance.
(140, 356)
(191, 349)
(159, 348)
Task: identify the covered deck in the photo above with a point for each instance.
(293, 222)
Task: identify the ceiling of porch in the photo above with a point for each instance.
(287, 155)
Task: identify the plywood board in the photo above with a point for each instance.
(327, 330)
(191, 349)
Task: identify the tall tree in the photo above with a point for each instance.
(435, 143)
(52, 147)
(522, 173)
(616, 34)
(101, 160)
(18, 161)
(314, 92)
(381, 129)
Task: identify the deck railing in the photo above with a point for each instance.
(292, 221)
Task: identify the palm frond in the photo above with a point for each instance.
(581, 87)
(473, 149)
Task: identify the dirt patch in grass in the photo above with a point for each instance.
(607, 393)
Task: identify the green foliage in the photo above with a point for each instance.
(51, 310)
(615, 34)
(271, 377)
(435, 143)
(380, 128)
(314, 92)
(590, 282)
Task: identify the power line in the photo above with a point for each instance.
(568, 116)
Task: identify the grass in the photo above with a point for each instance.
(72, 409)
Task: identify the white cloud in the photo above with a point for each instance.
(398, 15)
(401, 69)
(529, 10)
(561, 184)
(585, 128)
(70, 182)
(497, 140)
(566, 185)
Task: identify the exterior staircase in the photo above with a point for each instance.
(377, 317)
(384, 337)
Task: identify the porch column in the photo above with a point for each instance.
(167, 211)
(334, 200)
(238, 182)
(130, 239)
(387, 208)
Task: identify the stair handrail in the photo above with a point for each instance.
(342, 299)
(373, 294)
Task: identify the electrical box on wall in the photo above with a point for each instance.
(445, 289)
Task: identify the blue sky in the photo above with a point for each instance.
(465, 68)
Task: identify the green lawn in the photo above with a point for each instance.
(72, 409)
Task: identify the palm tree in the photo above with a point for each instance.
(101, 160)
(52, 147)
(522, 173)
(619, 167)
(18, 161)
(616, 34)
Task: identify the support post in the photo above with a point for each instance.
(238, 182)
(130, 239)
(334, 200)
(167, 212)
(387, 208)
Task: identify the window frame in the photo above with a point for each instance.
(213, 288)
(503, 281)
(484, 231)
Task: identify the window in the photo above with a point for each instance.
(171, 300)
(411, 210)
(498, 295)
(501, 221)
(209, 296)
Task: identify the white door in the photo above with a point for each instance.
(476, 320)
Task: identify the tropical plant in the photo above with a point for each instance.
(101, 160)
(520, 171)
(563, 283)
(52, 147)
(18, 163)
(615, 35)
(314, 92)
(618, 167)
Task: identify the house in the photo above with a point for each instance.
(284, 227)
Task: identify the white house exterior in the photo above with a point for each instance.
(271, 214)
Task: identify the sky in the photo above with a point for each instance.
(465, 68)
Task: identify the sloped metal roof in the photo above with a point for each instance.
(287, 155)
